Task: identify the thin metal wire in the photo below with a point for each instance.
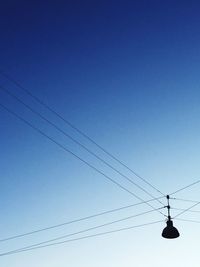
(186, 220)
(195, 211)
(88, 229)
(187, 209)
(76, 156)
(185, 187)
(75, 141)
(76, 129)
(185, 200)
(79, 238)
(74, 221)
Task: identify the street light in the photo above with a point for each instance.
(170, 231)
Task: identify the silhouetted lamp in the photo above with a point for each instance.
(170, 231)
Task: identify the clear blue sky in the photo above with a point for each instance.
(127, 74)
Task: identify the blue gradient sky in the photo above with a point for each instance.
(127, 74)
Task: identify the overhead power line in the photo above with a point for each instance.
(185, 200)
(186, 220)
(75, 141)
(79, 238)
(185, 187)
(194, 211)
(75, 155)
(37, 99)
(88, 229)
(187, 209)
(74, 221)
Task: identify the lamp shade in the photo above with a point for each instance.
(170, 231)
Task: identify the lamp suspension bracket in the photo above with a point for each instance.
(168, 207)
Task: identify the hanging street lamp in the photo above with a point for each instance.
(170, 231)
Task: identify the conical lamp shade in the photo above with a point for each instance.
(170, 231)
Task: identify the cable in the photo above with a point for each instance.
(76, 129)
(185, 200)
(195, 211)
(76, 156)
(75, 141)
(73, 221)
(185, 187)
(86, 230)
(79, 238)
(187, 209)
(185, 220)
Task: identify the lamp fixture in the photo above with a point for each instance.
(169, 232)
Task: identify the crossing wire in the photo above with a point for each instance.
(79, 238)
(75, 141)
(184, 200)
(75, 155)
(88, 229)
(194, 211)
(185, 187)
(37, 99)
(188, 209)
(74, 221)
(186, 220)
